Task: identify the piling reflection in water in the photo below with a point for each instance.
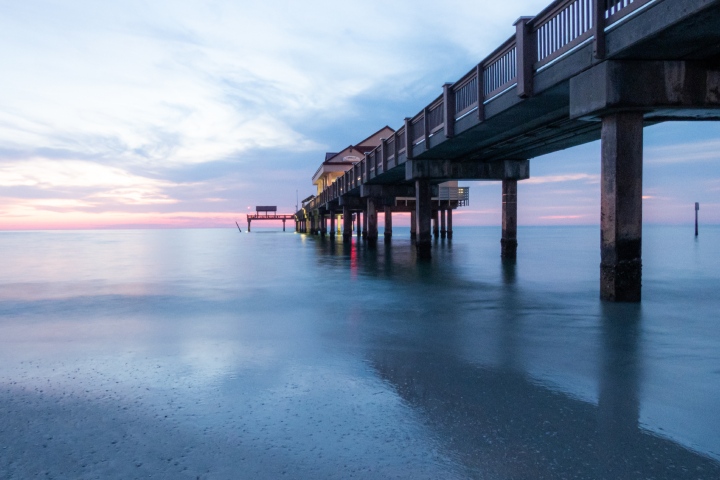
(500, 420)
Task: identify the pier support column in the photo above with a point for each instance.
(443, 228)
(413, 225)
(323, 225)
(449, 223)
(283, 225)
(621, 207)
(365, 225)
(508, 242)
(423, 217)
(435, 225)
(372, 233)
(360, 228)
(347, 223)
(332, 223)
(388, 223)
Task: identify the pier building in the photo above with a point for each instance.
(358, 208)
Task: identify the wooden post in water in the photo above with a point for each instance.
(508, 242)
(443, 228)
(372, 233)
(697, 207)
(347, 223)
(423, 218)
(365, 225)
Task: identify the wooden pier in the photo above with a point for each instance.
(579, 71)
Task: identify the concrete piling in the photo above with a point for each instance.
(423, 217)
(508, 242)
(347, 223)
(621, 207)
(443, 227)
(371, 213)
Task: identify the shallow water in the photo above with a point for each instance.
(215, 354)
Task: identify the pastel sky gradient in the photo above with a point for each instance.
(183, 113)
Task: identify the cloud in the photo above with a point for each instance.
(159, 107)
(571, 177)
(187, 81)
(700, 151)
(713, 185)
(562, 217)
(44, 174)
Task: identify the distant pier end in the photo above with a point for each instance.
(265, 212)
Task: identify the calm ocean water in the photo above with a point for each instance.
(216, 354)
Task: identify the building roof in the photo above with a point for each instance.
(373, 134)
(361, 149)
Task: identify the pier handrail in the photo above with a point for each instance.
(539, 41)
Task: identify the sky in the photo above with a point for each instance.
(189, 113)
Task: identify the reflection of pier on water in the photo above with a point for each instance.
(486, 408)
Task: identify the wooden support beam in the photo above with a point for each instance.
(598, 7)
(456, 170)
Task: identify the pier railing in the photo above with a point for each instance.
(538, 42)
